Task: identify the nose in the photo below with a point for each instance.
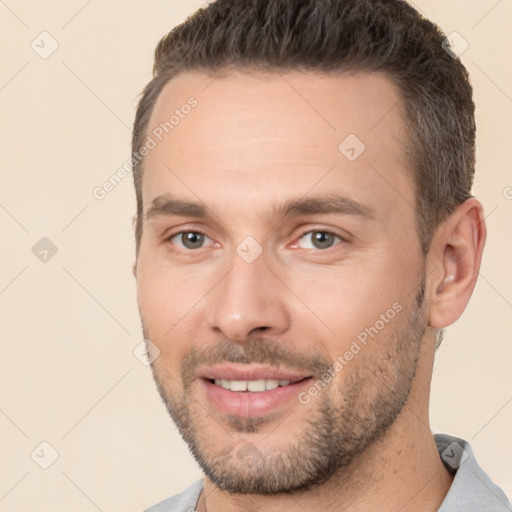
(248, 300)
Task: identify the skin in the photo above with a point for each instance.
(252, 143)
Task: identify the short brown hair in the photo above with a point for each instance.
(386, 36)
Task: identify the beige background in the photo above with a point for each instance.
(69, 326)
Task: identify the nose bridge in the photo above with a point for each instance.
(248, 297)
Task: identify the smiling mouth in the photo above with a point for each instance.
(253, 392)
(255, 386)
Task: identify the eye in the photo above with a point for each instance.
(318, 240)
(188, 239)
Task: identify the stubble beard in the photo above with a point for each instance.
(340, 424)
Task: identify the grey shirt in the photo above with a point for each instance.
(471, 489)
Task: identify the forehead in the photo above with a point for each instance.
(300, 105)
(248, 129)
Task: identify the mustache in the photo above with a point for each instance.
(256, 351)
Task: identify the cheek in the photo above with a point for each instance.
(349, 294)
(348, 298)
(160, 302)
(170, 305)
(160, 285)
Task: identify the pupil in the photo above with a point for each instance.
(322, 239)
(192, 240)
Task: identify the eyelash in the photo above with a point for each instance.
(180, 249)
(325, 231)
(305, 232)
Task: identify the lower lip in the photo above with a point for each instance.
(245, 404)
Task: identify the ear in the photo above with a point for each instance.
(454, 260)
(134, 267)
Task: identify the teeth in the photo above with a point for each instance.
(271, 384)
(251, 385)
(256, 385)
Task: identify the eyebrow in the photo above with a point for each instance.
(167, 205)
(331, 203)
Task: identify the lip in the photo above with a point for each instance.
(245, 404)
(252, 372)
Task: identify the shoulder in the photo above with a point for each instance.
(471, 490)
(183, 502)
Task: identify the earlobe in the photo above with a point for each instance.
(456, 256)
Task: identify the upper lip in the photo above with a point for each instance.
(249, 372)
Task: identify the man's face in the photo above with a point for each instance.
(280, 272)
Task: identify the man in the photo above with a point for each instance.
(305, 231)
